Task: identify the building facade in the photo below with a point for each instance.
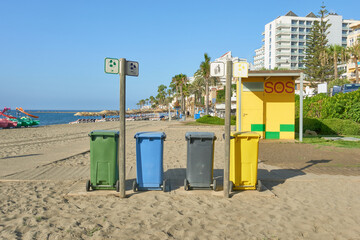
(284, 41)
(259, 59)
(352, 39)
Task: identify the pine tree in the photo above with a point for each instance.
(317, 64)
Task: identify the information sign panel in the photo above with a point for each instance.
(112, 65)
(132, 68)
(240, 69)
(217, 69)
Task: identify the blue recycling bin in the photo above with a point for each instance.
(149, 161)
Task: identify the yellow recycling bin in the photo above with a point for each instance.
(244, 149)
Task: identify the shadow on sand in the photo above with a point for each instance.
(275, 177)
(175, 177)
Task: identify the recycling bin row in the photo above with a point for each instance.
(149, 161)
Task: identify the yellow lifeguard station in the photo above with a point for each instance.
(268, 103)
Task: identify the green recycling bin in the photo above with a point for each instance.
(104, 171)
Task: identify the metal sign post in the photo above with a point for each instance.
(238, 105)
(301, 107)
(227, 127)
(123, 68)
(121, 153)
(240, 70)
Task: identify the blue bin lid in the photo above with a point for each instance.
(150, 135)
(200, 135)
(104, 133)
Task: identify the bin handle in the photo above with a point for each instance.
(231, 137)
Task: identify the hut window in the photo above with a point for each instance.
(253, 86)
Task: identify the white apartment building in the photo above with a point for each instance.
(285, 39)
(353, 39)
(259, 58)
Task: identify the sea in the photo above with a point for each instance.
(53, 117)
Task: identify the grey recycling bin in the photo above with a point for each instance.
(200, 160)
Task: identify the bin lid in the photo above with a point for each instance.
(201, 135)
(104, 133)
(245, 134)
(150, 135)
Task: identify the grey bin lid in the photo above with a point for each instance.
(161, 135)
(200, 135)
(104, 133)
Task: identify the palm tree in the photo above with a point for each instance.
(205, 72)
(197, 87)
(335, 51)
(178, 83)
(152, 101)
(354, 51)
(161, 94)
(169, 98)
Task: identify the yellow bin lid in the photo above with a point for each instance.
(245, 135)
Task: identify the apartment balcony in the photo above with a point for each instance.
(283, 65)
(281, 25)
(263, 40)
(288, 32)
(263, 33)
(351, 66)
(286, 61)
(282, 39)
(283, 46)
(352, 75)
(258, 58)
(282, 53)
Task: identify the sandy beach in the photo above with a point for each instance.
(310, 192)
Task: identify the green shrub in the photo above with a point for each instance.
(354, 112)
(329, 126)
(207, 119)
(343, 127)
(342, 106)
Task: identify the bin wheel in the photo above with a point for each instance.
(164, 185)
(186, 185)
(117, 185)
(231, 186)
(214, 185)
(88, 185)
(135, 187)
(259, 186)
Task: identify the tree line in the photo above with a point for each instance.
(180, 87)
(322, 60)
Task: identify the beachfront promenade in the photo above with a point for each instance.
(43, 173)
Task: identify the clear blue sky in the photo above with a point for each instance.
(52, 52)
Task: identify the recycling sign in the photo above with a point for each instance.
(132, 68)
(112, 65)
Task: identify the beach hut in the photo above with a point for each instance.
(268, 103)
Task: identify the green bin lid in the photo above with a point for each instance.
(104, 133)
(201, 135)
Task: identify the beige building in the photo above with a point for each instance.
(352, 39)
